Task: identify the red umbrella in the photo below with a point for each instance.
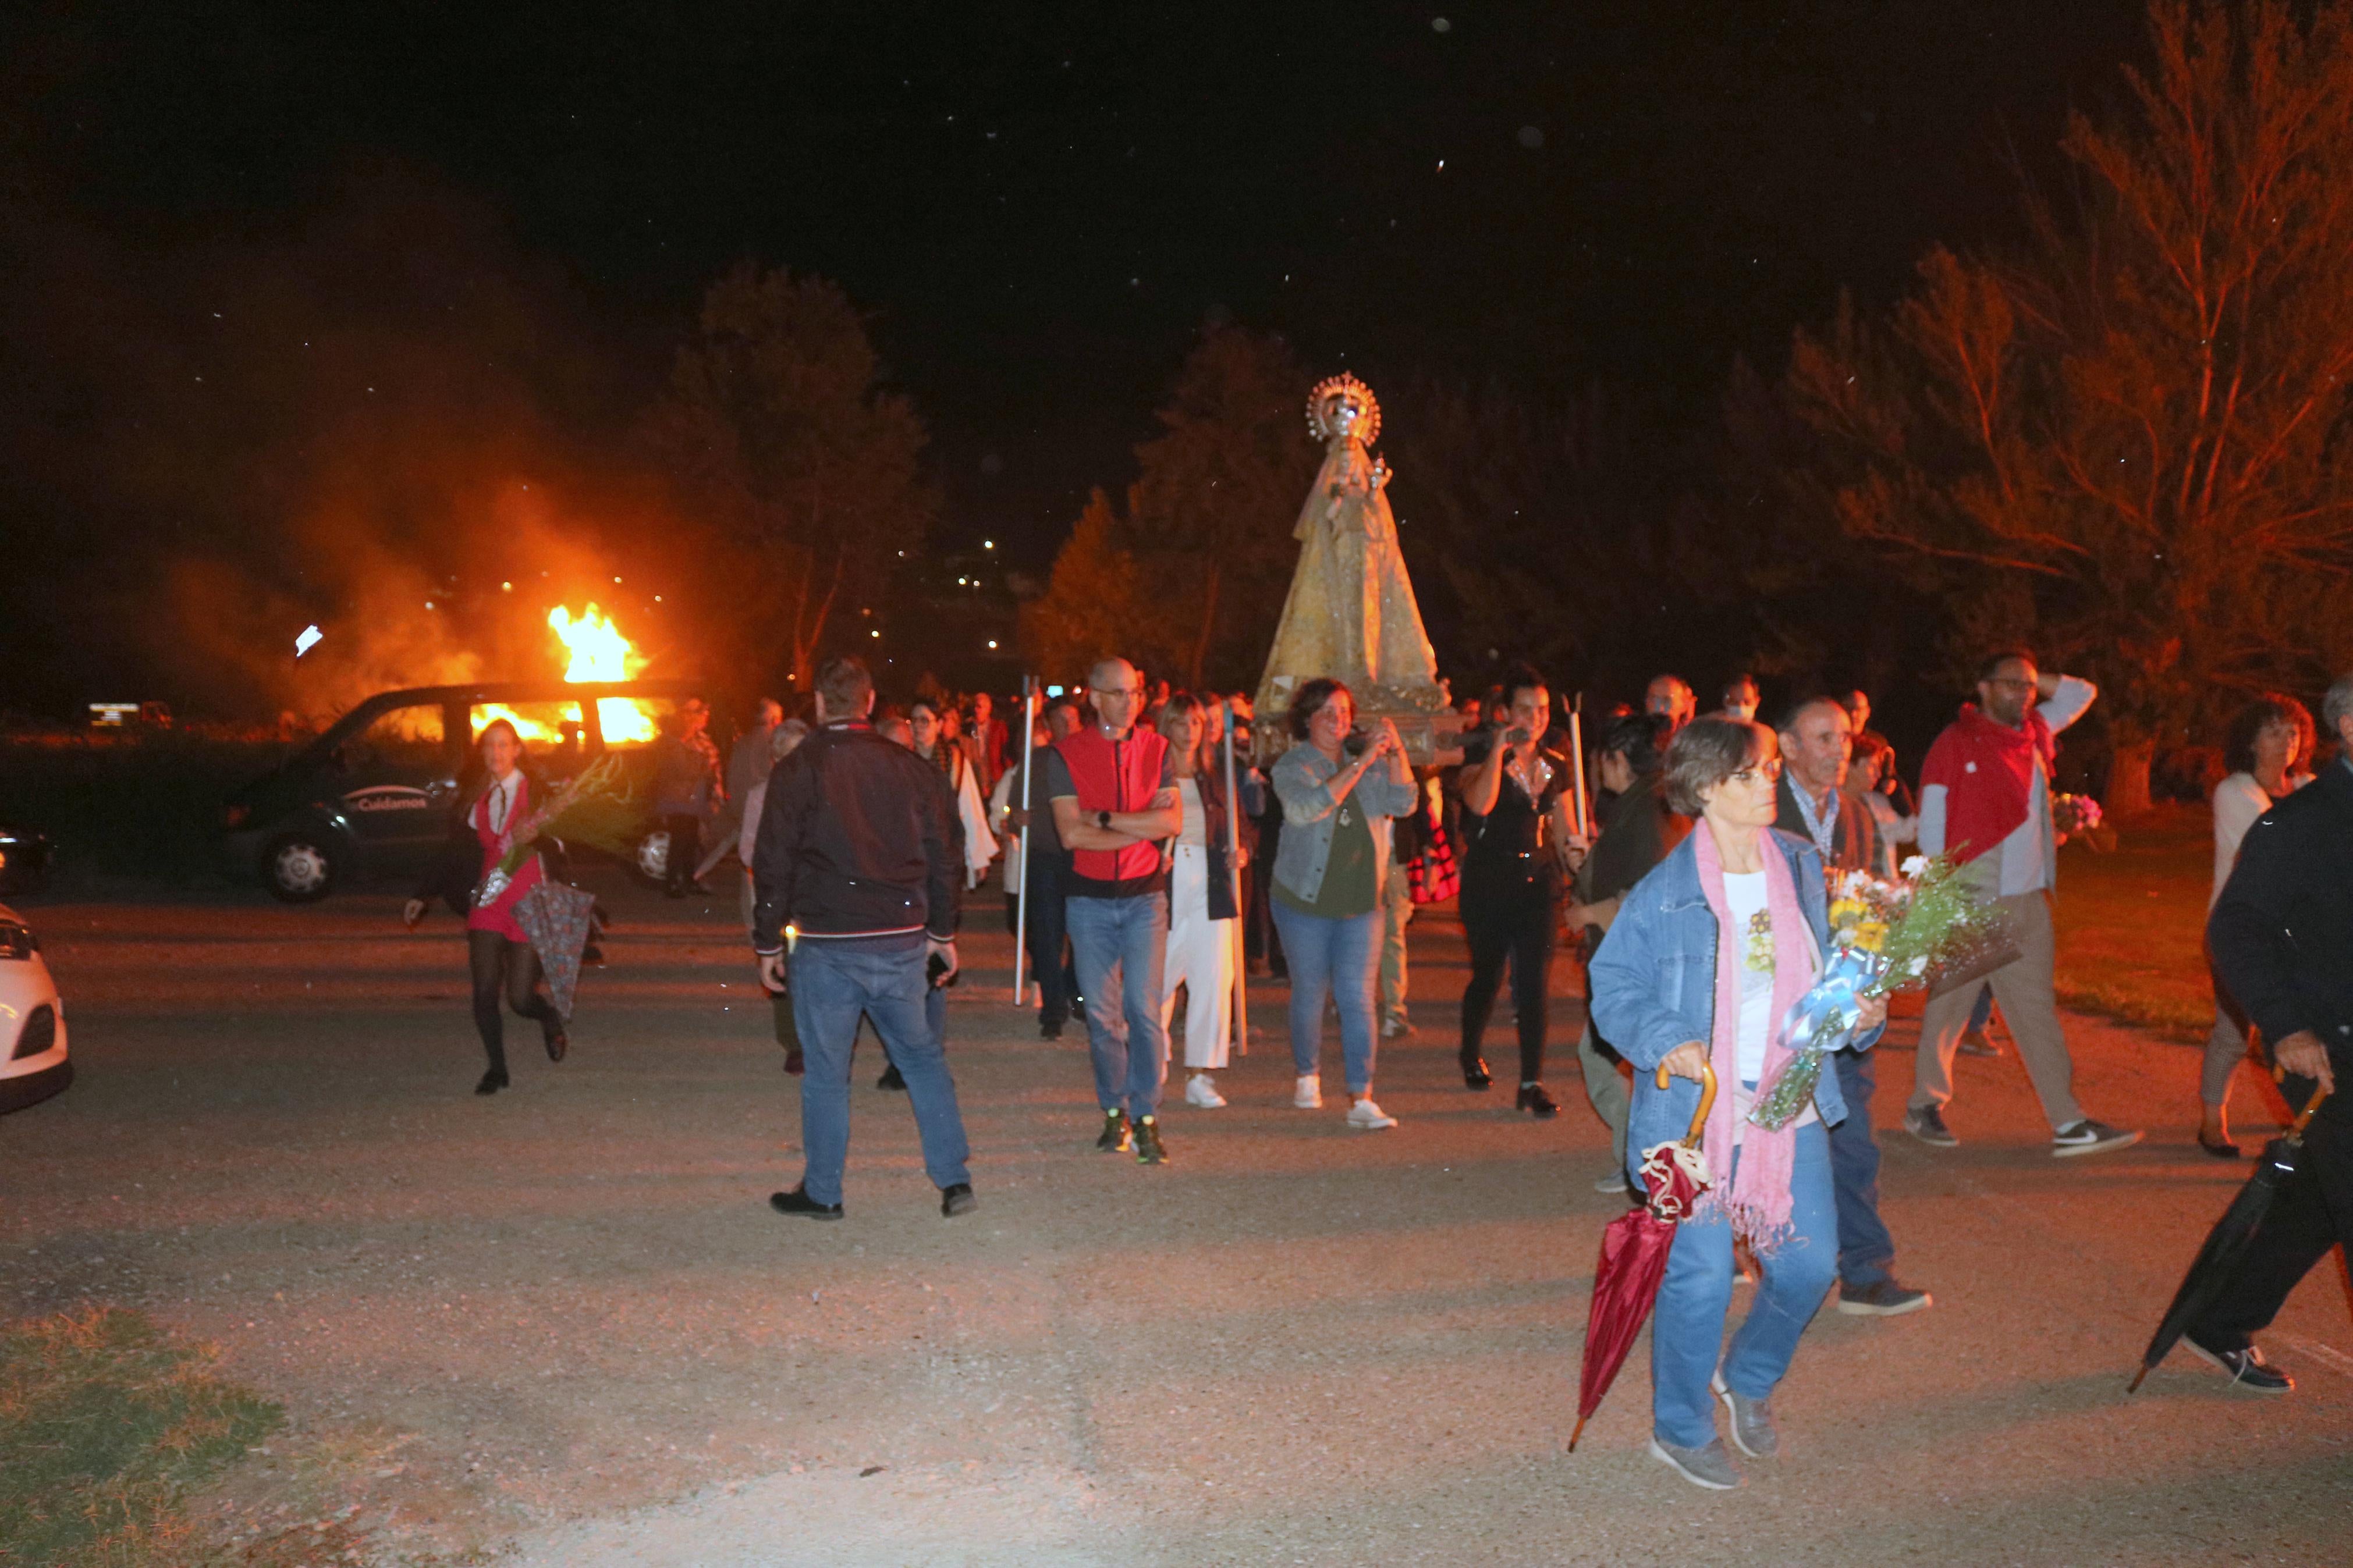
(1634, 1255)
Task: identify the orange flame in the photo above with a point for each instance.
(595, 651)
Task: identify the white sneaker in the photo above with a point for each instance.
(1200, 1090)
(1309, 1094)
(1368, 1116)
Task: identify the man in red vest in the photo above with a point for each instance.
(1985, 800)
(1115, 799)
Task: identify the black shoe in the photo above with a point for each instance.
(2247, 1368)
(890, 1079)
(1050, 1029)
(2222, 1149)
(1534, 1099)
(796, 1064)
(1474, 1072)
(797, 1201)
(957, 1200)
(492, 1081)
(1148, 1148)
(557, 1044)
(1882, 1299)
(1116, 1135)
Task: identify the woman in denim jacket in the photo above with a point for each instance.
(1705, 957)
(1326, 896)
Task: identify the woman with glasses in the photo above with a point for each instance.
(1702, 963)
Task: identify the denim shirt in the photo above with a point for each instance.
(1302, 782)
(1654, 980)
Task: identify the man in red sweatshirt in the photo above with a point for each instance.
(1985, 800)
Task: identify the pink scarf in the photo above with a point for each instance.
(1760, 1203)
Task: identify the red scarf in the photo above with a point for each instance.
(1987, 773)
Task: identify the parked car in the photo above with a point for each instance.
(370, 799)
(32, 1019)
(24, 861)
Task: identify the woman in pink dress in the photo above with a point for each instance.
(500, 955)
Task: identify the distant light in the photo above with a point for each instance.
(506, 587)
(992, 643)
(428, 604)
(1053, 691)
(988, 545)
(876, 633)
(959, 582)
(309, 639)
(657, 598)
(617, 578)
(1440, 25)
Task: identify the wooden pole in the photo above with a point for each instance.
(1233, 843)
(1577, 767)
(1021, 883)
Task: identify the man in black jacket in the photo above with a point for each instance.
(854, 879)
(2282, 936)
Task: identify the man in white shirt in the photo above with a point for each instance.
(1985, 799)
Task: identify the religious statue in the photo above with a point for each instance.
(1351, 613)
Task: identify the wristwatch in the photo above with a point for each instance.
(1103, 820)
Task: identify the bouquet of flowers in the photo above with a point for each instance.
(594, 807)
(2074, 815)
(1886, 937)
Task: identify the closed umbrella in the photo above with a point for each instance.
(2227, 1243)
(1634, 1255)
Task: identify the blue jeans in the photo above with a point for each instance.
(1120, 945)
(881, 978)
(1866, 1252)
(1338, 958)
(1687, 1325)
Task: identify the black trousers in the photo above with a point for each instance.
(508, 969)
(1514, 921)
(2312, 1214)
(685, 850)
(1050, 961)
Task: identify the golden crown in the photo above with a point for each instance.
(1368, 428)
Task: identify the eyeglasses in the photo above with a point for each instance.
(1766, 771)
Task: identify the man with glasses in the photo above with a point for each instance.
(1114, 791)
(1985, 800)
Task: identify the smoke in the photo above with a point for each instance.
(384, 418)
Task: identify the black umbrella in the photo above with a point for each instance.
(2227, 1241)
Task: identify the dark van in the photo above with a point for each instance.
(370, 799)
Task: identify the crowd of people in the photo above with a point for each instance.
(1145, 853)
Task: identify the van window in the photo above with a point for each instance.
(632, 721)
(403, 740)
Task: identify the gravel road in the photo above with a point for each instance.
(562, 1327)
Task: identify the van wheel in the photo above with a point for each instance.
(652, 857)
(297, 868)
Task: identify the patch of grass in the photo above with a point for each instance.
(2132, 926)
(107, 1423)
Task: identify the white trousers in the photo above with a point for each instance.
(1201, 959)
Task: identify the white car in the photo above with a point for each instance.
(33, 1063)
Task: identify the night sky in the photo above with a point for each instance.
(1040, 205)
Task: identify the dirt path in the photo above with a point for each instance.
(562, 1325)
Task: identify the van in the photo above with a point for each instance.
(369, 800)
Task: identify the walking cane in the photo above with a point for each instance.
(1233, 847)
(1021, 883)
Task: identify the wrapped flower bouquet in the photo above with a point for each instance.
(1923, 931)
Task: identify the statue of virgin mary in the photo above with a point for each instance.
(1351, 613)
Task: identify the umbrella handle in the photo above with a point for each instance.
(2279, 1076)
(1706, 1102)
